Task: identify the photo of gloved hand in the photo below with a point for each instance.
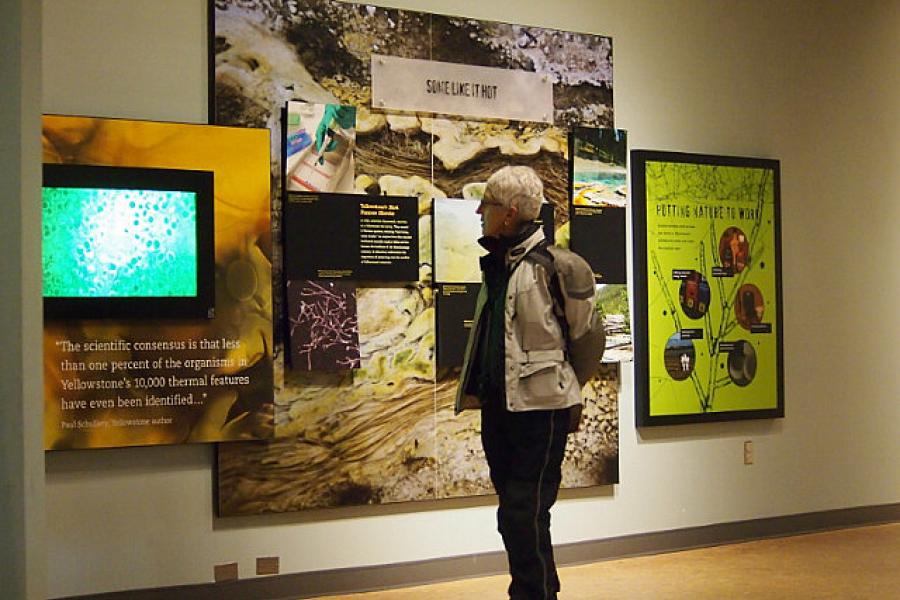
(335, 115)
(319, 140)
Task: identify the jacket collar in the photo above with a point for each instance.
(517, 247)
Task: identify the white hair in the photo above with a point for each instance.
(517, 186)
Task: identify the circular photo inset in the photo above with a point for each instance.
(742, 363)
(679, 357)
(694, 295)
(749, 306)
(734, 250)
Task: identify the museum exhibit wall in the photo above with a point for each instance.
(809, 83)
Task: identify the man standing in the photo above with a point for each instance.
(535, 300)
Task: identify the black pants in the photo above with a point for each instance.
(524, 452)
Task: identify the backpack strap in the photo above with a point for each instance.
(540, 255)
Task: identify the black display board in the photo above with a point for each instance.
(598, 236)
(455, 308)
(351, 236)
(546, 221)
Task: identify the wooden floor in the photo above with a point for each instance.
(850, 564)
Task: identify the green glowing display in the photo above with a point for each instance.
(119, 243)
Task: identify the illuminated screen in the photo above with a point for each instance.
(119, 242)
(126, 242)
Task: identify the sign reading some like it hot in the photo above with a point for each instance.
(416, 85)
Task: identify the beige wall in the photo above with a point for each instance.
(21, 443)
(812, 83)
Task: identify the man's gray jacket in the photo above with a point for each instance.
(537, 374)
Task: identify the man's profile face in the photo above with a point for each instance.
(493, 214)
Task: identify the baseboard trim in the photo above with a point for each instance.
(359, 579)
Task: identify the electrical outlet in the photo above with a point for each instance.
(748, 452)
(267, 565)
(226, 572)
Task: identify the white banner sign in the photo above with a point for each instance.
(416, 85)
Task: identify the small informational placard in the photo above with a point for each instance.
(598, 235)
(351, 236)
(417, 85)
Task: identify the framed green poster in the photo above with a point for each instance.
(707, 251)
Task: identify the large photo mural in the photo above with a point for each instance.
(383, 429)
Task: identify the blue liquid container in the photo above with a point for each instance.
(297, 141)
